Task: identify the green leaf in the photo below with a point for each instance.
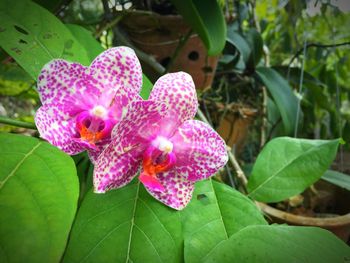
(125, 225)
(85, 173)
(314, 89)
(287, 166)
(240, 43)
(215, 213)
(33, 36)
(146, 87)
(281, 244)
(86, 39)
(38, 196)
(255, 42)
(282, 95)
(337, 178)
(14, 80)
(206, 18)
(51, 5)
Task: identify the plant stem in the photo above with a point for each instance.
(142, 55)
(180, 45)
(239, 172)
(17, 123)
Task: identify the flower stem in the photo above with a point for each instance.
(17, 123)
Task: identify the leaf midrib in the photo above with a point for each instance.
(13, 172)
(222, 220)
(132, 223)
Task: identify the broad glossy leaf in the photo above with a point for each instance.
(125, 225)
(86, 39)
(282, 95)
(33, 36)
(206, 19)
(287, 166)
(337, 178)
(215, 213)
(240, 43)
(38, 196)
(255, 42)
(281, 244)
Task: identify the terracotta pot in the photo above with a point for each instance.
(159, 36)
(233, 127)
(339, 224)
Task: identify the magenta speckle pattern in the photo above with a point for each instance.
(179, 92)
(60, 131)
(199, 151)
(129, 137)
(140, 125)
(115, 170)
(178, 190)
(67, 89)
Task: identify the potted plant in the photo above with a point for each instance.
(177, 38)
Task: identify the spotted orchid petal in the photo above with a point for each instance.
(56, 128)
(140, 124)
(91, 99)
(178, 91)
(177, 190)
(115, 68)
(200, 151)
(118, 66)
(113, 170)
(64, 83)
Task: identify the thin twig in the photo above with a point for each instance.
(17, 123)
(301, 50)
(300, 89)
(140, 54)
(239, 172)
(108, 25)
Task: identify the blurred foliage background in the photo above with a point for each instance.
(306, 42)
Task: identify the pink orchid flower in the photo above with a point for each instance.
(81, 105)
(160, 136)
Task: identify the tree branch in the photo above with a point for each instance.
(301, 50)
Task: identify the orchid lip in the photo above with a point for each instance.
(93, 129)
(155, 161)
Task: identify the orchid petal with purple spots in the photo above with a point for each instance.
(115, 170)
(81, 105)
(199, 149)
(178, 91)
(173, 151)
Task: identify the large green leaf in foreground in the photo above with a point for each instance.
(287, 166)
(33, 36)
(215, 213)
(125, 225)
(38, 199)
(281, 244)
